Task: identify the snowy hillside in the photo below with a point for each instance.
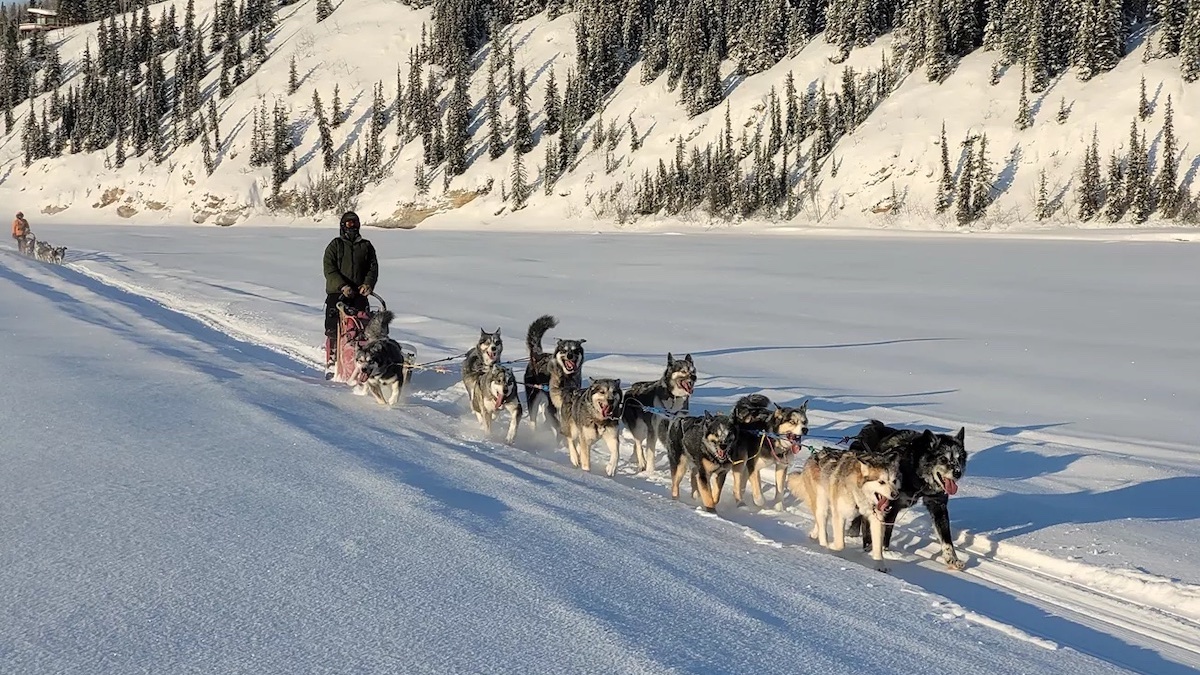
(186, 492)
(884, 171)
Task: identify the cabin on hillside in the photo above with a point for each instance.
(38, 20)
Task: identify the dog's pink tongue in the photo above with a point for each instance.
(882, 503)
(950, 485)
(687, 386)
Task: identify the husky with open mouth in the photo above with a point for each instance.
(483, 355)
(770, 435)
(842, 484)
(382, 362)
(669, 393)
(495, 389)
(587, 415)
(930, 467)
(565, 362)
(707, 444)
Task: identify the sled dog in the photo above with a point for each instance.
(670, 392)
(930, 467)
(768, 437)
(705, 443)
(485, 353)
(841, 484)
(495, 389)
(381, 361)
(586, 415)
(566, 361)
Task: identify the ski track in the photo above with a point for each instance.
(1146, 625)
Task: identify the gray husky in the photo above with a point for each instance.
(930, 467)
(381, 361)
(566, 362)
(844, 484)
(485, 353)
(707, 443)
(769, 437)
(671, 392)
(586, 415)
(492, 390)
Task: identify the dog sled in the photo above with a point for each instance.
(352, 323)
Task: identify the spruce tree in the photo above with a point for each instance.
(964, 212)
(1167, 182)
(1024, 121)
(1042, 209)
(1189, 46)
(946, 184)
(293, 78)
(213, 121)
(324, 9)
(327, 149)
(553, 107)
(495, 123)
(1144, 109)
(982, 180)
(1037, 57)
(520, 182)
(335, 113)
(1116, 198)
(206, 150)
(1141, 202)
(1090, 189)
(635, 141)
(1063, 111)
(791, 106)
(937, 53)
(457, 132)
(522, 132)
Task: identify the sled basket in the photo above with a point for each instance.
(351, 324)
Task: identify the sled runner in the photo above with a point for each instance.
(351, 323)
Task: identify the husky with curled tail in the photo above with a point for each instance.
(566, 362)
(380, 361)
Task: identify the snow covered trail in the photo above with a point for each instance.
(1099, 520)
(180, 501)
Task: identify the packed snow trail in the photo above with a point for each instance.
(180, 501)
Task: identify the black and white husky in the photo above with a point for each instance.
(706, 443)
(669, 393)
(565, 362)
(380, 361)
(493, 389)
(769, 435)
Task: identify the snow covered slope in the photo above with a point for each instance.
(364, 42)
(1074, 515)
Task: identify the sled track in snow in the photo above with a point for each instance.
(1150, 626)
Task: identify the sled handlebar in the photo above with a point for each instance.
(381, 300)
